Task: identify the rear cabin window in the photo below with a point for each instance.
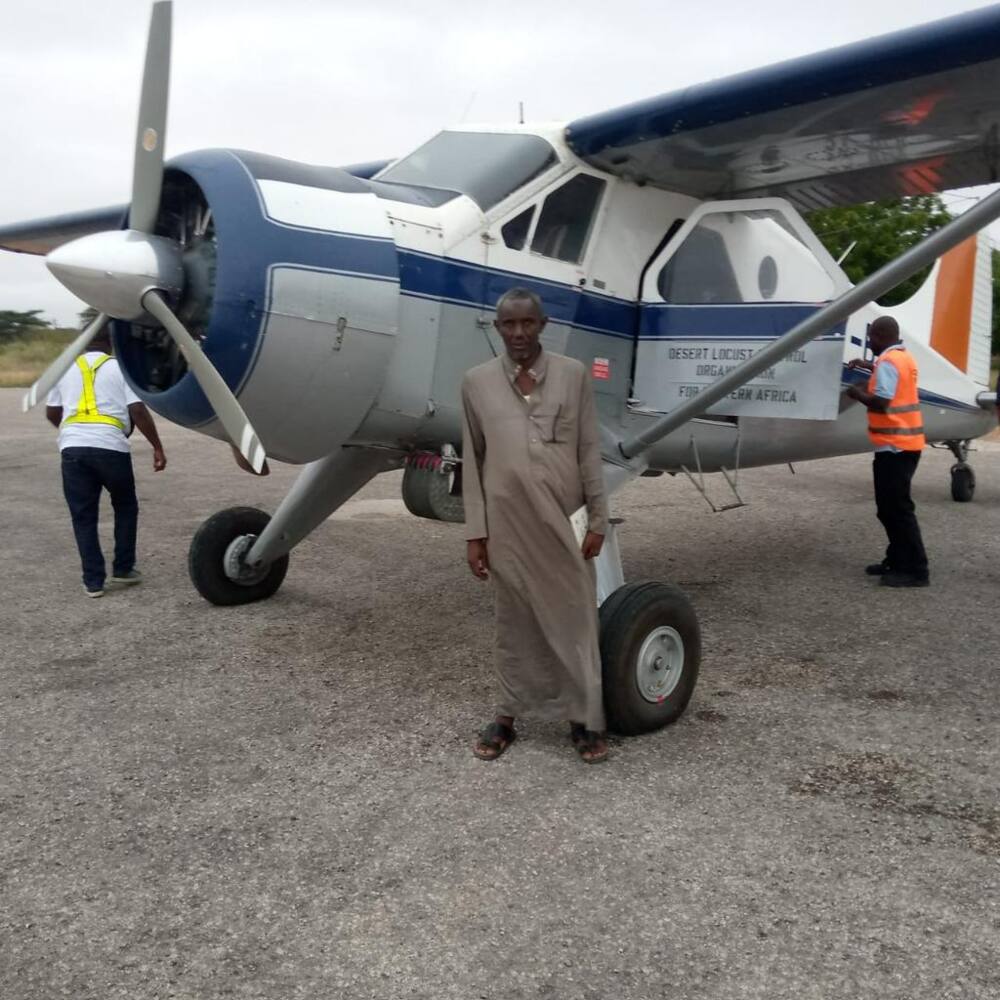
(566, 219)
(700, 271)
(749, 256)
(486, 166)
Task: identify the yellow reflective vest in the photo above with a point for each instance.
(86, 409)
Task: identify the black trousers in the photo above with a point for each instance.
(893, 475)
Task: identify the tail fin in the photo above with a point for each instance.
(963, 308)
(954, 308)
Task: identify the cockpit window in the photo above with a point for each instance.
(486, 166)
(567, 215)
(515, 232)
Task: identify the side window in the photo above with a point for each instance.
(566, 218)
(515, 232)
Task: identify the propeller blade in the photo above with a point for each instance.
(147, 175)
(61, 365)
(227, 409)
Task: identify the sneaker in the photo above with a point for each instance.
(878, 569)
(132, 576)
(893, 579)
(95, 592)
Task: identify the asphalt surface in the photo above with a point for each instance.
(278, 801)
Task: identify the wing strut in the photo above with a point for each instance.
(886, 278)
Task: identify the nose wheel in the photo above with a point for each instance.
(217, 559)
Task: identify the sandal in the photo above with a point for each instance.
(493, 741)
(586, 742)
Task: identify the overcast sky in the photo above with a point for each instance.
(338, 81)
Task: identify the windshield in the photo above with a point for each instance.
(486, 166)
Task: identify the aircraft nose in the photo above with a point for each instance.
(112, 271)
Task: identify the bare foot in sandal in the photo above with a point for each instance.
(495, 738)
(592, 747)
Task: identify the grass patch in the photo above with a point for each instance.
(23, 360)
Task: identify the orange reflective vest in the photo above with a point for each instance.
(901, 425)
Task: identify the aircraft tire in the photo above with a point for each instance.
(963, 483)
(650, 655)
(207, 555)
(427, 493)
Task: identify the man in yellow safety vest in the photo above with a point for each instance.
(896, 430)
(95, 410)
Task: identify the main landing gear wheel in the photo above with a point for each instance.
(427, 492)
(215, 559)
(650, 654)
(963, 482)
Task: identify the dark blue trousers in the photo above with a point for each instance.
(85, 472)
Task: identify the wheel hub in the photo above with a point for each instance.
(235, 564)
(660, 663)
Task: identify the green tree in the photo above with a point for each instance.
(881, 231)
(87, 316)
(15, 325)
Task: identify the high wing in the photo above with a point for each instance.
(40, 236)
(912, 112)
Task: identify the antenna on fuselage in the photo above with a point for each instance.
(520, 112)
(843, 256)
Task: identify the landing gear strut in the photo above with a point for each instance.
(963, 479)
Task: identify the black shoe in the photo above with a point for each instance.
(894, 579)
(878, 569)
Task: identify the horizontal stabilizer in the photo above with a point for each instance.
(908, 113)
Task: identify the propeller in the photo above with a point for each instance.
(131, 273)
(60, 366)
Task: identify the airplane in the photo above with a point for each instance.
(324, 316)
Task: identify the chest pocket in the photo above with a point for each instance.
(552, 427)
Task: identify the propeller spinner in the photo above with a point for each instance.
(131, 273)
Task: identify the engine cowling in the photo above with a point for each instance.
(292, 288)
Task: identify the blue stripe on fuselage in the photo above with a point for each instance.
(751, 321)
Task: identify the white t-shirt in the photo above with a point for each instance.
(112, 395)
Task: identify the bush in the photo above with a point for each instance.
(24, 358)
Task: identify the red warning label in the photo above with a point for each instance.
(601, 368)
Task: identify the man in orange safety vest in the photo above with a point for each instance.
(896, 430)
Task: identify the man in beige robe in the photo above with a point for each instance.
(531, 458)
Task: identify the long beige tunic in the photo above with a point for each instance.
(528, 463)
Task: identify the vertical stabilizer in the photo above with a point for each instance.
(980, 346)
(963, 308)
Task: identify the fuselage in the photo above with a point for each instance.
(343, 309)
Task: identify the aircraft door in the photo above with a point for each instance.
(545, 245)
(737, 275)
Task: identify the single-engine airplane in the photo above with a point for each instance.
(324, 316)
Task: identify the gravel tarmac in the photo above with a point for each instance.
(279, 801)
